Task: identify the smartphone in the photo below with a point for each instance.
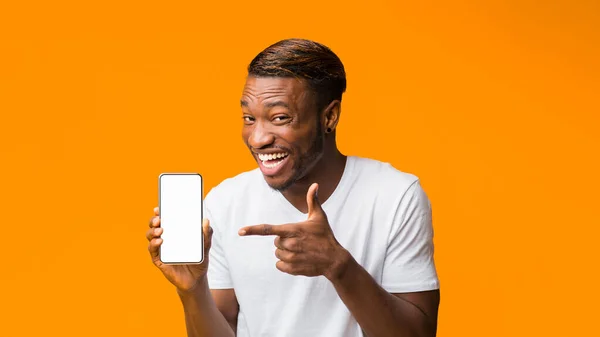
(180, 208)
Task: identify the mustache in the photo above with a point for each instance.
(274, 147)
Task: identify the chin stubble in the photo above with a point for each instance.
(302, 165)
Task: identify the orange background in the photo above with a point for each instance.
(494, 104)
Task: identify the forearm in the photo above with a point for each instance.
(379, 313)
(202, 317)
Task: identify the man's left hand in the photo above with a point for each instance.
(306, 248)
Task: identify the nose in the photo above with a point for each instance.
(260, 136)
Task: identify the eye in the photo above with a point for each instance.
(248, 119)
(281, 118)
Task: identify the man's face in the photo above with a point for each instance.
(281, 128)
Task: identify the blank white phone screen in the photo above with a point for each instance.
(180, 209)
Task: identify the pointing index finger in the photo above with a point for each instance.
(286, 230)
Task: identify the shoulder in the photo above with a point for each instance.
(383, 175)
(402, 189)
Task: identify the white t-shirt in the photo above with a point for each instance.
(379, 214)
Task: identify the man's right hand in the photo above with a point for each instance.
(184, 277)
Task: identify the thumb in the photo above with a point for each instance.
(208, 233)
(314, 205)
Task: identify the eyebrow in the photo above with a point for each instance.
(276, 103)
(268, 105)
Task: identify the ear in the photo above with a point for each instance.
(331, 115)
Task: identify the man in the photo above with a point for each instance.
(312, 242)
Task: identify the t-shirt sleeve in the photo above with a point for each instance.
(409, 265)
(218, 270)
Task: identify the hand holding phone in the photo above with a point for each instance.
(179, 238)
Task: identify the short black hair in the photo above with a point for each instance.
(311, 61)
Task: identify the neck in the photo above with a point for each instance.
(327, 172)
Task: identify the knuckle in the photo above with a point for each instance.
(292, 256)
(288, 245)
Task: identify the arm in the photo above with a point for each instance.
(209, 313)
(380, 313)
(227, 303)
(399, 307)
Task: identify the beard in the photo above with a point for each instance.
(304, 162)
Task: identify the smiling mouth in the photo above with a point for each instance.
(272, 160)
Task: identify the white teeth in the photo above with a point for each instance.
(265, 157)
(273, 165)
